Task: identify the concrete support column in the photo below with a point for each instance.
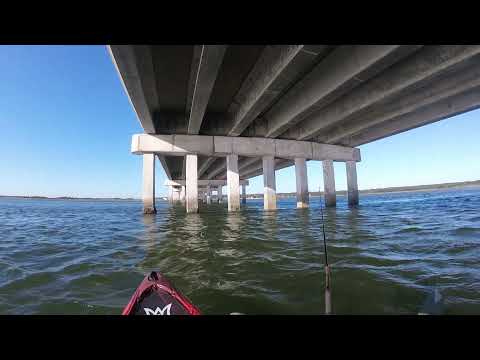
(269, 186)
(191, 181)
(219, 193)
(329, 183)
(209, 195)
(149, 184)
(352, 185)
(302, 183)
(233, 183)
(244, 194)
(175, 195)
(170, 194)
(182, 194)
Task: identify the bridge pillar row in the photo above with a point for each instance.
(149, 184)
(191, 181)
(329, 183)
(219, 193)
(302, 183)
(352, 186)
(269, 185)
(244, 194)
(233, 183)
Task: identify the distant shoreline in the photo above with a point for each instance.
(398, 189)
(389, 190)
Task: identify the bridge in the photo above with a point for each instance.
(218, 115)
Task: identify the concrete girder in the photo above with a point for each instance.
(135, 69)
(211, 58)
(423, 65)
(339, 72)
(447, 108)
(255, 93)
(444, 88)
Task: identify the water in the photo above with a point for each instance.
(388, 255)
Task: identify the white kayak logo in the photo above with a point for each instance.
(158, 311)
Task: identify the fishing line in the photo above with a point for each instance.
(328, 298)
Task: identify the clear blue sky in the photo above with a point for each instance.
(67, 123)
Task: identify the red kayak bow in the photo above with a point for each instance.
(157, 296)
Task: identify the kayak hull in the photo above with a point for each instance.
(156, 295)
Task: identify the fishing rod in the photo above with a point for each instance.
(328, 294)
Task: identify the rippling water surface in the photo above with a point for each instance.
(389, 255)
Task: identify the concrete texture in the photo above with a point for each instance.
(191, 200)
(149, 184)
(269, 191)
(179, 145)
(209, 195)
(302, 183)
(233, 184)
(182, 194)
(329, 183)
(352, 186)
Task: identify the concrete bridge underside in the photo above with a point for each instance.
(342, 95)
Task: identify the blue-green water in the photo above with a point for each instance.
(388, 255)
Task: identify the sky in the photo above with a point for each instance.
(66, 126)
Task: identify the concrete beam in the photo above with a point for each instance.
(191, 184)
(255, 93)
(269, 191)
(453, 106)
(443, 89)
(352, 186)
(202, 183)
(339, 72)
(329, 183)
(301, 176)
(244, 166)
(426, 63)
(149, 184)
(135, 69)
(211, 58)
(247, 162)
(279, 164)
(179, 145)
(206, 164)
(233, 187)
